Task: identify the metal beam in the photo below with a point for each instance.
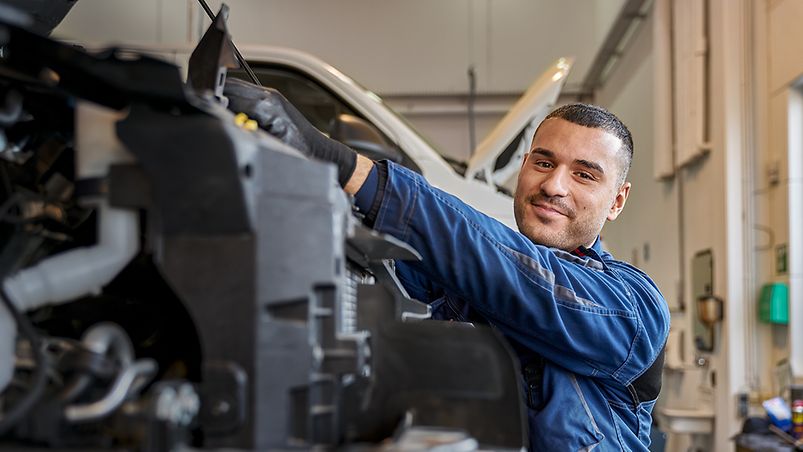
(630, 12)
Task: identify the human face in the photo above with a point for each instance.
(569, 185)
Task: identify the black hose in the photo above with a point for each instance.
(27, 402)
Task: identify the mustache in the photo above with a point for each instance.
(554, 202)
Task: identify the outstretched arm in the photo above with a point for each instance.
(591, 317)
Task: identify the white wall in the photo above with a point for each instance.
(122, 21)
(393, 47)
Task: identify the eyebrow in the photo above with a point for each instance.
(586, 163)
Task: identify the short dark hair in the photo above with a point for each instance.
(596, 117)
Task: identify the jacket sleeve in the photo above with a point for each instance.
(576, 312)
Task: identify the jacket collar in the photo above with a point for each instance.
(595, 251)
(583, 251)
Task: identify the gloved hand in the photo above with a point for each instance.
(277, 116)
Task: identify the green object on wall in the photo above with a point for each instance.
(773, 307)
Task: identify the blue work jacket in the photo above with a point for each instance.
(588, 328)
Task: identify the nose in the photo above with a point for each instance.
(555, 183)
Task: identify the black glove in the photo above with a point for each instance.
(277, 116)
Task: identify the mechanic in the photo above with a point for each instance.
(589, 330)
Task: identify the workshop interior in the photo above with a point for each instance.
(175, 278)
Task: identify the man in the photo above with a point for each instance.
(588, 330)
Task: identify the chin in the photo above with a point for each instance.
(541, 237)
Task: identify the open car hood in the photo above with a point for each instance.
(530, 110)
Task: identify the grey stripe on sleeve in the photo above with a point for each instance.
(560, 292)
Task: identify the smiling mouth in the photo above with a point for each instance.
(547, 211)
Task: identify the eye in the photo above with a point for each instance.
(543, 164)
(584, 175)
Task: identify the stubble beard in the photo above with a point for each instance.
(578, 231)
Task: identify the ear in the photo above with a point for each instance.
(619, 201)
